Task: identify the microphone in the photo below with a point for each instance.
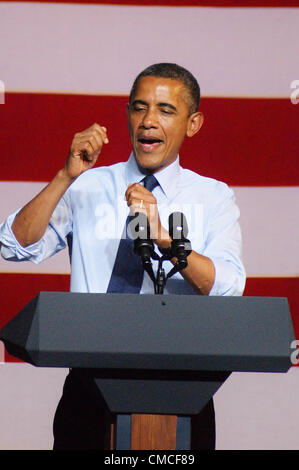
(178, 230)
(178, 227)
(139, 231)
(143, 245)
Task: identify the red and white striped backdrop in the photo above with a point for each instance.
(66, 65)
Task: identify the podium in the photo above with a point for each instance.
(152, 355)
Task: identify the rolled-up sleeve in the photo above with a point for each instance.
(53, 240)
(224, 244)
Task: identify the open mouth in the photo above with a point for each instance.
(149, 143)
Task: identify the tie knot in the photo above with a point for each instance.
(150, 182)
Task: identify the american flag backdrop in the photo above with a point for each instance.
(66, 65)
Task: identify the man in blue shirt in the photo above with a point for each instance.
(88, 209)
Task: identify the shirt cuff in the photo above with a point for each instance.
(228, 281)
(11, 249)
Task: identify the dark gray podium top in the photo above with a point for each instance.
(173, 332)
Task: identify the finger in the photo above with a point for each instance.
(136, 206)
(96, 141)
(85, 149)
(128, 190)
(93, 139)
(102, 130)
(147, 197)
(95, 129)
(140, 205)
(139, 189)
(133, 196)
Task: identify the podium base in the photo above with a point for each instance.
(166, 432)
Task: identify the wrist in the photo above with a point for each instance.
(163, 241)
(65, 178)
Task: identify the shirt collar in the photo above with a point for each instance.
(167, 178)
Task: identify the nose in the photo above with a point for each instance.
(149, 119)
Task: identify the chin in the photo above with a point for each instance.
(147, 162)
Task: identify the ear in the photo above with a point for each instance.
(195, 122)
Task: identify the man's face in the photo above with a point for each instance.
(159, 120)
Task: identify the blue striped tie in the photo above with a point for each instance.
(127, 274)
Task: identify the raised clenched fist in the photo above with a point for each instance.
(85, 149)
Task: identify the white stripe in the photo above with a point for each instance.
(269, 221)
(269, 420)
(257, 411)
(100, 48)
(28, 398)
(17, 194)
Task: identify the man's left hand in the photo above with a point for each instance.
(140, 199)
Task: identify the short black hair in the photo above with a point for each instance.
(175, 72)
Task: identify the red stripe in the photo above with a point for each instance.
(277, 287)
(28, 286)
(244, 141)
(185, 3)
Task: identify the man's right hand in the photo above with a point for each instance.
(85, 149)
(31, 222)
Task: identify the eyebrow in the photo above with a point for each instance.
(161, 105)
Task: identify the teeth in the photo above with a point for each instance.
(149, 141)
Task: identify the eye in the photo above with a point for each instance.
(138, 108)
(166, 111)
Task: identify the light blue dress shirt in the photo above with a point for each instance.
(92, 213)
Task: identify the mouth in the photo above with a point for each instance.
(149, 143)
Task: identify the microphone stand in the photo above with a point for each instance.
(144, 247)
(179, 249)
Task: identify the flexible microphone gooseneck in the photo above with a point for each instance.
(180, 246)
